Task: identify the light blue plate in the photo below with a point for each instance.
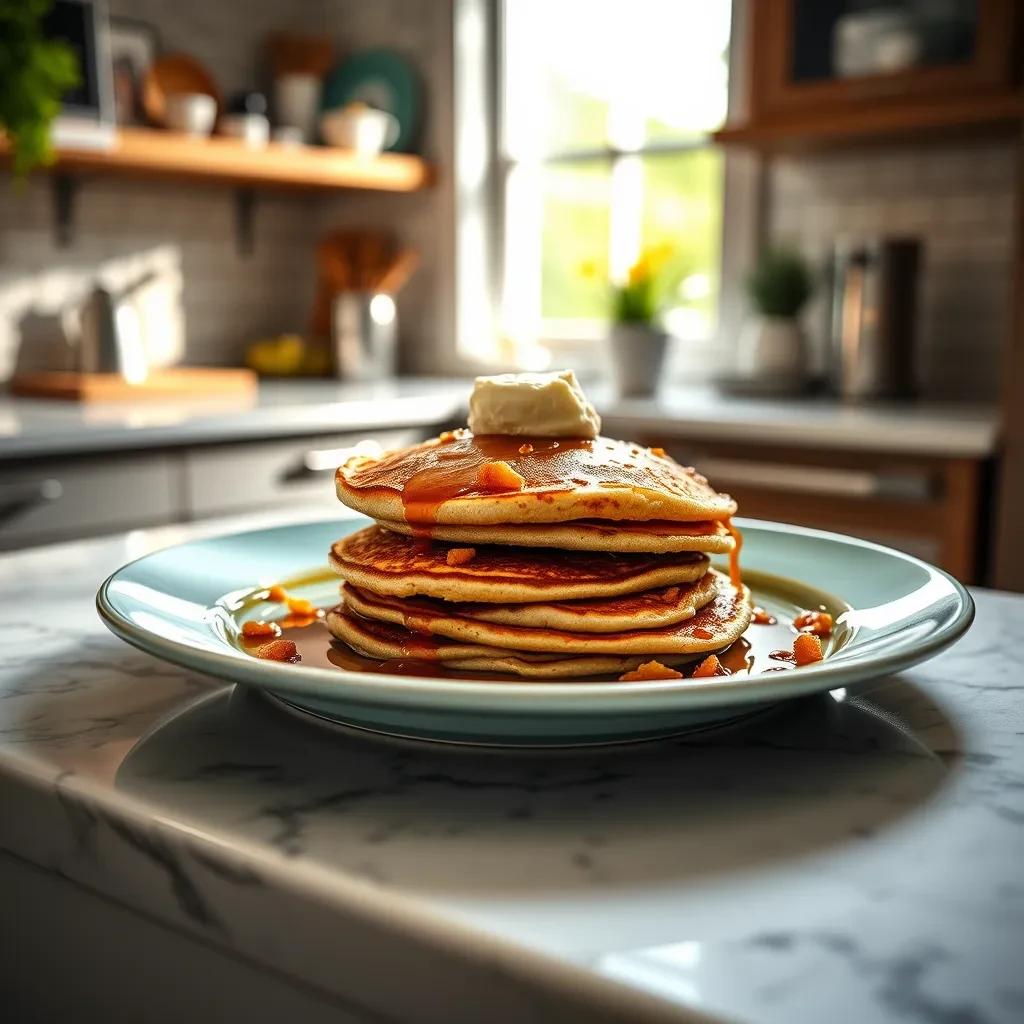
(185, 605)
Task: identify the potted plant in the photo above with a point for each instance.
(637, 341)
(35, 72)
(772, 345)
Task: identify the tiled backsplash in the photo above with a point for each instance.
(187, 231)
(124, 229)
(959, 199)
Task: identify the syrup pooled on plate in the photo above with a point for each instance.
(761, 649)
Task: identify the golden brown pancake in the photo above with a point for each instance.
(460, 479)
(656, 535)
(716, 625)
(385, 641)
(650, 609)
(389, 564)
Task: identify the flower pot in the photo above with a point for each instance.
(637, 358)
(774, 347)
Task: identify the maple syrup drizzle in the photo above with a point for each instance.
(453, 470)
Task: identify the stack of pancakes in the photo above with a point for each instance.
(545, 558)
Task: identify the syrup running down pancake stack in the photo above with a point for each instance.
(546, 557)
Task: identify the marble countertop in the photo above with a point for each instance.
(32, 428)
(853, 857)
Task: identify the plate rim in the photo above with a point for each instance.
(528, 697)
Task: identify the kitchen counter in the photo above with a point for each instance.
(32, 428)
(947, 430)
(852, 857)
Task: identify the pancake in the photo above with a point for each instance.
(656, 535)
(714, 626)
(649, 609)
(385, 641)
(389, 564)
(459, 479)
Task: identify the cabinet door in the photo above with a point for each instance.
(296, 473)
(805, 54)
(46, 501)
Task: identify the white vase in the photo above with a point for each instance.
(297, 102)
(772, 346)
(637, 358)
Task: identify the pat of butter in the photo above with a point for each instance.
(532, 405)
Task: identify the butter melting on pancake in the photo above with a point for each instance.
(586, 535)
(717, 624)
(468, 480)
(389, 564)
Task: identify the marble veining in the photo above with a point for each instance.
(855, 856)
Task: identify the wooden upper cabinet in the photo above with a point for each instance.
(818, 67)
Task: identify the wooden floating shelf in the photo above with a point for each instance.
(144, 152)
(881, 122)
(147, 153)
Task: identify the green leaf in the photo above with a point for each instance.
(35, 73)
(780, 283)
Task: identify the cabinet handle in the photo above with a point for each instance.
(24, 495)
(318, 461)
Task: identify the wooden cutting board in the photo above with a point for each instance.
(181, 383)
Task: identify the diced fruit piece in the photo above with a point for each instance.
(460, 556)
(807, 649)
(300, 606)
(500, 476)
(278, 650)
(763, 618)
(710, 666)
(650, 670)
(257, 627)
(819, 623)
(276, 593)
(300, 621)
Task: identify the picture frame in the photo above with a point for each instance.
(87, 110)
(134, 45)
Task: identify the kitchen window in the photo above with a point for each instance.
(603, 152)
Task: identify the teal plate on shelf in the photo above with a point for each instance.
(185, 604)
(382, 79)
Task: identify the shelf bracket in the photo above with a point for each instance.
(65, 191)
(245, 209)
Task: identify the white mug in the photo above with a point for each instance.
(364, 129)
(252, 129)
(190, 112)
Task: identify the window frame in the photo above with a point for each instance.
(743, 200)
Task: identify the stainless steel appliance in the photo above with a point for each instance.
(873, 318)
(111, 338)
(363, 335)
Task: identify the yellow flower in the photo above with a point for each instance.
(659, 255)
(640, 271)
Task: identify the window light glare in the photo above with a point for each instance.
(382, 310)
